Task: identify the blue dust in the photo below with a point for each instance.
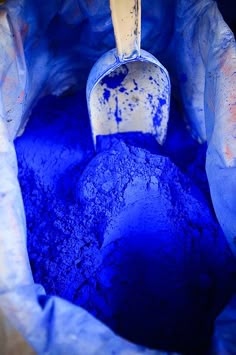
(128, 233)
(115, 79)
(135, 85)
(157, 117)
(162, 102)
(117, 112)
(106, 94)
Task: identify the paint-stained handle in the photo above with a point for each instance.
(126, 19)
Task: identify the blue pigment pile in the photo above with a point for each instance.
(128, 233)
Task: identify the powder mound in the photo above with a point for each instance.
(125, 175)
(132, 240)
(164, 270)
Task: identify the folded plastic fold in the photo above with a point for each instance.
(205, 52)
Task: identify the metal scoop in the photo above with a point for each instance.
(128, 90)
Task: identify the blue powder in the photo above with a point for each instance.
(116, 78)
(117, 112)
(106, 94)
(157, 117)
(129, 233)
(122, 89)
(155, 236)
(162, 101)
(135, 85)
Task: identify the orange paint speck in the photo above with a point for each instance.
(227, 65)
(233, 113)
(232, 107)
(228, 153)
(20, 97)
(24, 30)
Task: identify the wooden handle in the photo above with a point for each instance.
(126, 19)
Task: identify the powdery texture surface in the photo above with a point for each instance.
(124, 234)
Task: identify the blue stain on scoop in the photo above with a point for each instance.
(157, 118)
(162, 101)
(115, 80)
(106, 94)
(135, 85)
(120, 97)
(150, 98)
(117, 112)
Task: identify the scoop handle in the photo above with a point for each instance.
(126, 19)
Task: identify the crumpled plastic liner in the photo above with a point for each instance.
(197, 48)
